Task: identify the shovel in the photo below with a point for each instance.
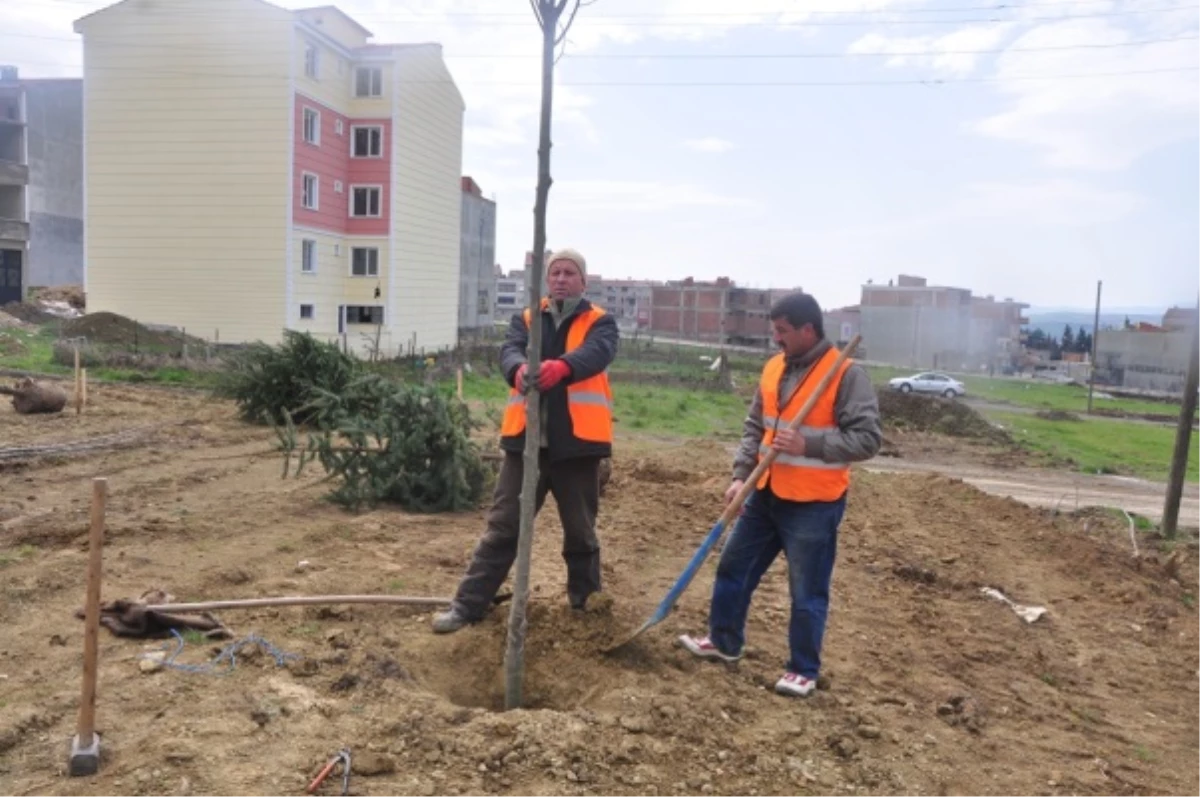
(735, 506)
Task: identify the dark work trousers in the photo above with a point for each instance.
(575, 484)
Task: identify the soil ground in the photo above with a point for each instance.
(930, 687)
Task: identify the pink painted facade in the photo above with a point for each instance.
(329, 158)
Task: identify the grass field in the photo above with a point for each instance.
(1103, 446)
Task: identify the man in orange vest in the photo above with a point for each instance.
(798, 503)
(579, 342)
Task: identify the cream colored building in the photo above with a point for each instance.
(250, 169)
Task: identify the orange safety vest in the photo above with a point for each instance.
(589, 401)
(795, 478)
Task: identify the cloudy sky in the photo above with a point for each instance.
(1023, 148)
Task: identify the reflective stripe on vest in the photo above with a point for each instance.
(802, 478)
(589, 401)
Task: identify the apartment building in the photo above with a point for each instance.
(14, 182)
(911, 323)
(250, 169)
(718, 312)
(477, 278)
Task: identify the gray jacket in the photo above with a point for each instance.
(858, 436)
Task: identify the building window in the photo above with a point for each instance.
(367, 142)
(339, 127)
(506, 301)
(366, 202)
(368, 81)
(312, 126)
(484, 303)
(310, 197)
(364, 314)
(308, 256)
(312, 61)
(364, 262)
(306, 312)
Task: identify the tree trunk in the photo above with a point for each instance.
(514, 658)
(1183, 440)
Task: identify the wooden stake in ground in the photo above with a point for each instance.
(458, 377)
(1183, 438)
(82, 390)
(78, 385)
(1095, 348)
(85, 747)
(548, 13)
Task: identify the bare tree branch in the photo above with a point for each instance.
(537, 12)
(562, 52)
(563, 32)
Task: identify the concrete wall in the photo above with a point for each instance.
(1143, 360)
(917, 337)
(477, 275)
(54, 110)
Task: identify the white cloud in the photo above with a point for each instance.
(955, 52)
(1102, 123)
(585, 197)
(1048, 202)
(710, 144)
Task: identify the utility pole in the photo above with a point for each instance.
(548, 14)
(1095, 348)
(1183, 437)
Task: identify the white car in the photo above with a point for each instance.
(929, 382)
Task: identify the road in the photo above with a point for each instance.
(1044, 488)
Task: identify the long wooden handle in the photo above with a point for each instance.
(307, 600)
(735, 506)
(91, 631)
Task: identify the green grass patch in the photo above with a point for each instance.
(678, 411)
(1103, 446)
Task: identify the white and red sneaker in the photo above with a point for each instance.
(703, 647)
(794, 685)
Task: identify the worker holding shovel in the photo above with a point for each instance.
(579, 342)
(797, 504)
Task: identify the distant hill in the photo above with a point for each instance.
(1053, 321)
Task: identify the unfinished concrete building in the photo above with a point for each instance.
(477, 275)
(913, 324)
(1154, 360)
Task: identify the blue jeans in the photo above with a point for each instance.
(807, 535)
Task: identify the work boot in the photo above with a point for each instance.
(449, 621)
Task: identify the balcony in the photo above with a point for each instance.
(13, 173)
(13, 230)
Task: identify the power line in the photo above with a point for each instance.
(674, 20)
(240, 73)
(140, 44)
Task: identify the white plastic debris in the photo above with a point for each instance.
(1029, 614)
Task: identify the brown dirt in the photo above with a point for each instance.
(936, 414)
(931, 687)
(117, 329)
(30, 314)
(71, 294)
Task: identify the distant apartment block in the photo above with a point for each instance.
(305, 179)
(913, 324)
(477, 278)
(1148, 358)
(717, 312)
(14, 185)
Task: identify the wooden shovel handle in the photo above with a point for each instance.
(735, 506)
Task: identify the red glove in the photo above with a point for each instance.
(551, 372)
(519, 379)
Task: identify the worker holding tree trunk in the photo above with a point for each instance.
(798, 504)
(579, 342)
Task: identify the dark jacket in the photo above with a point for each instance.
(594, 356)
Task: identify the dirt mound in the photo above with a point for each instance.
(658, 473)
(71, 294)
(116, 329)
(1057, 415)
(28, 313)
(936, 414)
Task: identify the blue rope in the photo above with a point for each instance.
(227, 654)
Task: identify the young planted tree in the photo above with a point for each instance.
(555, 18)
